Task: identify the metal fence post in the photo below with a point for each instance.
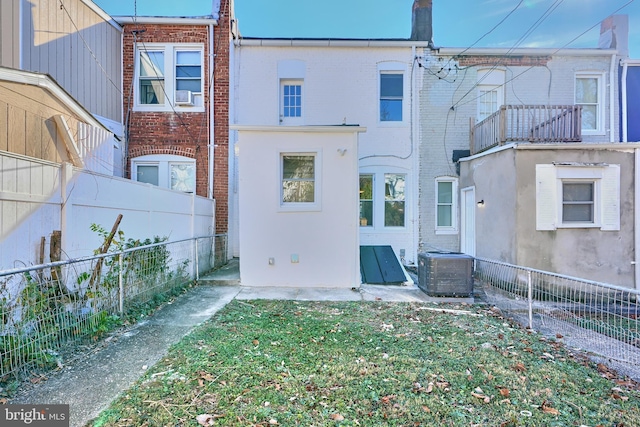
(120, 285)
(530, 297)
(196, 263)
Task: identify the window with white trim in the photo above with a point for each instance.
(394, 200)
(391, 96)
(446, 205)
(490, 92)
(589, 95)
(168, 77)
(300, 181)
(577, 196)
(165, 170)
(383, 200)
(291, 101)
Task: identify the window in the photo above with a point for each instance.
(366, 200)
(490, 92)
(391, 90)
(290, 101)
(151, 78)
(168, 171)
(298, 178)
(394, 200)
(168, 77)
(446, 189)
(577, 196)
(577, 201)
(589, 95)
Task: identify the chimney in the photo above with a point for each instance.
(614, 34)
(421, 21)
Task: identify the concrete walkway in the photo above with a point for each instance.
(90, 384)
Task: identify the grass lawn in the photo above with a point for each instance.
(290, 363)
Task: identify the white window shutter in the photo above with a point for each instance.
(546, 197)
(610, 198)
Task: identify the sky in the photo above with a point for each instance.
(456, 23)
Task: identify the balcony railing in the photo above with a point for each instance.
(531, 123)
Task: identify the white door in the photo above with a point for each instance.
(468, 222)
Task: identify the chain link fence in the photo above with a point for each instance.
(47, 308)
(595, 317)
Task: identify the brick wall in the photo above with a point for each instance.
(185, 133)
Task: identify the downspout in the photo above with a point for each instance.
(211, 145)
(20, 35)
(416, 156)
(612, 98)
(636, 220)
(623, 95)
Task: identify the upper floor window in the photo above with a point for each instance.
(589, 95)
(490, 92)
(291, 75)
(290, 101)
(391, 95)
(164, 170)
(169, 76)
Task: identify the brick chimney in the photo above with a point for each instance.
(421, 21)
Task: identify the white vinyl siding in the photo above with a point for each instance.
(551, 205)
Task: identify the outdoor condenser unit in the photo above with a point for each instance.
(445, 274)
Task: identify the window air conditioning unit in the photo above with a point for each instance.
(184, 97)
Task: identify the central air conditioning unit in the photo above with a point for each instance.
(184, 97)
(445, 274)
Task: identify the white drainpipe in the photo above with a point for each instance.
(612, 99)
(211, 144)
(623, 95)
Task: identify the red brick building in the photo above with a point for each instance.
(176, 104)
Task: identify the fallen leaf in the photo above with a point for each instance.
(559, 336)
(3, 401)
(336, 417)
(387, 399)
(504, 392)
(483, 397)
(255, 342)
(273, 422)
(205, 420)
(519, 367)
(426, 409)
(549, 410)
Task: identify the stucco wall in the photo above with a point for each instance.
(507, 181)
(325, 241)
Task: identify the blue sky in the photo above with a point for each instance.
(456, 23)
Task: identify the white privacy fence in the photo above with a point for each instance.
(595, 317)
(46, 310)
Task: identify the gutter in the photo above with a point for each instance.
(183, 20)
(331, 43)
(455, 51)
(623, 95)
(636, 219)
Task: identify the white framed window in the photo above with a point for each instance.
(589, 94)
(391, 96)
(165, 170)
(169, 77)
(300, 181)
(490, 92)
(383, 200)
(394, 200)
(291, 108)
(446, 205)
(577, 196)
(366, 200)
